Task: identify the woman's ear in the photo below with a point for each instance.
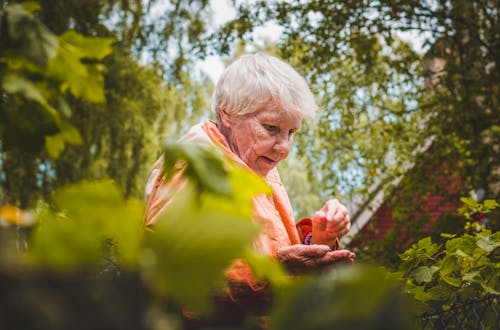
(224, 117)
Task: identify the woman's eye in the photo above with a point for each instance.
(272, 128)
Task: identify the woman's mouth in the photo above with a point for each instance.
(269, 160)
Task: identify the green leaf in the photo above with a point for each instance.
(423, 274)
(89, 213)
(28, 37)
(84, 80)
(469, 201)
(339, 301)
(31, 6)
(267, 268)
(449, 265)
(487, 244)
(420, 294)
(212, 172)
(194, 241)
(12, 83)
(491, 204)
(470, 275)
(453, 281)
(488, 288)
(92, 48)
(462, 254)
(440, 292)
(54, 145)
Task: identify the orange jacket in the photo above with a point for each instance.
(243, 292)
(274, 211)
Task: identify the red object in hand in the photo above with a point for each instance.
(304, 227)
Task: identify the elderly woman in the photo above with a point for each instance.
(259, 103)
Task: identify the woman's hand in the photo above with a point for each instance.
(302, 258)
(330, 223)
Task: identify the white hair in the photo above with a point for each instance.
(256, 79)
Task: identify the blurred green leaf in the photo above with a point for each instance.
(269, 269)
(352, 297)
(83, 80)
(491, 204)
(88, 213)
(12, 83)
(55, 143)
(469, 201)
(204, 166)
(204, 229)
(31, 6)
(194, 243)
(90, 48)
(26, 35)
(462, 254)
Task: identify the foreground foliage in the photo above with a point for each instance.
(91, 235)
(461, 268)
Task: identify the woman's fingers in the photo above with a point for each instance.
(333, 257)
(337, 218)
(309, 257)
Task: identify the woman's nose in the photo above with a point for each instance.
(282, 145)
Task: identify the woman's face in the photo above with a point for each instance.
(262, 138)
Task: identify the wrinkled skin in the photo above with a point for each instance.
(262, 139)
(302, 258)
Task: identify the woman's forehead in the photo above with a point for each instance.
(276, 114)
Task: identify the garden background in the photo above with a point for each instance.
(92, 92)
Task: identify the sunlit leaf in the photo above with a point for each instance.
(491, 204)
(470, 275)
(487, 244)
(84, 80)
(92, 48)
(469, 202)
